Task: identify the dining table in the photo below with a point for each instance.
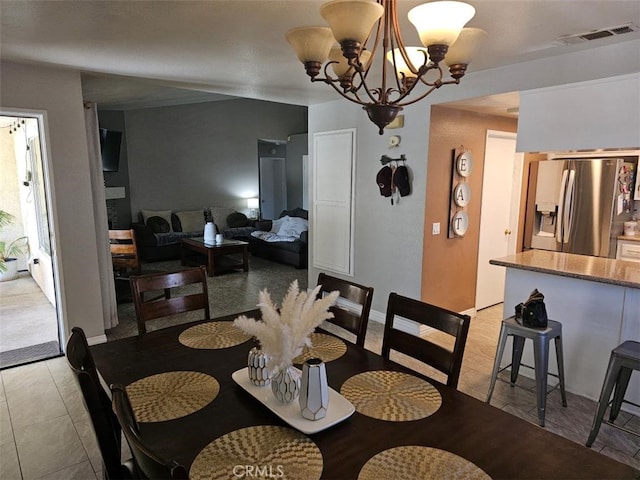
(184, 385)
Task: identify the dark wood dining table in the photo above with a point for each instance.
(501, 444)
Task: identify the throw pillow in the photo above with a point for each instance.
(191, 220)
(220, 215)
(276, 224)
(293, 227)
(237, 220)
(166, 214)
(158, 225)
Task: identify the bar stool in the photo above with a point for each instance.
(541, 338)
(624, 359)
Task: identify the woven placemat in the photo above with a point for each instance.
(420, 463)
(325, 347)
(272, 452)
(213, 335)
(170, 395)
(392, 396)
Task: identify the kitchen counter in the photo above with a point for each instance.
(630, 238)
(597, 300)
(596, 269)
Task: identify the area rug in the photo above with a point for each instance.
(28, 354)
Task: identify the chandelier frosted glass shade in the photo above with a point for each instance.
(465, 48)
(340, 15)
(440, 23)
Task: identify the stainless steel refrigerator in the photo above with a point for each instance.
(594, 199)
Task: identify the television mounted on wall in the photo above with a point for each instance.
(110, 141)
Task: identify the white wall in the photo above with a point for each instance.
(58, 93)
(388, 250)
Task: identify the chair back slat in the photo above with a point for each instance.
(354, 322)
(447, 361)
(169, 304)
(149, 465)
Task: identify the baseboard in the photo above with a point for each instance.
(97, 339)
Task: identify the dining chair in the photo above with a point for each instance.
(437, 356)
(353, 321)
(124, 252)
(148, 463)
(98, 404)
(195, 297)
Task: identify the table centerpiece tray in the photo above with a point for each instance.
(339, 407)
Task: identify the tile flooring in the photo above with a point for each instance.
(45, 432)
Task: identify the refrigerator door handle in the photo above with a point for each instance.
(568, 210)
(561, 201)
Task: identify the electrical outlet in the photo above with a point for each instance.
(435, 229)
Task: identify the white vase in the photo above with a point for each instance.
(210, 232)
(257, 365)
(286, 385)
(314, 390)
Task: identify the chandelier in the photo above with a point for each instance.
(402, 68)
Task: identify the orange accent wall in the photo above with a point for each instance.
(449, 265)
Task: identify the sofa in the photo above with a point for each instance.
(283, 240)
(159, 232)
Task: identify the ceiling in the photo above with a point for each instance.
(138, 54)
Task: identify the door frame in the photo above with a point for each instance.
(262, 161)
(47, 172)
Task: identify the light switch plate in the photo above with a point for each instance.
(435, 229)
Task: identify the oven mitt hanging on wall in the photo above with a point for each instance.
(384, 181)
(401, 180)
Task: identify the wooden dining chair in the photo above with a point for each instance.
(169, 303)
(353, 321)
(98, 404)
(124, 252)
(148, 463)
(446, 361)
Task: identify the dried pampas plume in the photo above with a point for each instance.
(284, 334)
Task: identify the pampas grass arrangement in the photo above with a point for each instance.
(284, 334)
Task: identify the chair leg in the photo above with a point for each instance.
(496, 363)
(541, 356)
(560, 359)
(618, 394)
(607, 387)
(516, 357)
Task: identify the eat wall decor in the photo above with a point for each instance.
(460, 195)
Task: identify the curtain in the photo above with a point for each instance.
(105, 267)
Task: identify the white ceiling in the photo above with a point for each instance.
(135, 54)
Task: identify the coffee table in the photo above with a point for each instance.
(219, 256)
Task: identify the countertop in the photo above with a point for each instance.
(630, 238)
(595, 269)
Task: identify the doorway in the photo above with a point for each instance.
(29, 303)
(273, 187)
(501, 185)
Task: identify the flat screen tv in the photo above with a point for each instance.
(110, 149)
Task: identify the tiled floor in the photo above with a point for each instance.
(45, 432)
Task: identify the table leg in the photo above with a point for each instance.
(245, 259)
(211, 267)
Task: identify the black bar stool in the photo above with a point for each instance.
(624, 359)
(541, 338)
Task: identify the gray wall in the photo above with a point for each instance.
(297, 146)
(114, 120)
(190, 156)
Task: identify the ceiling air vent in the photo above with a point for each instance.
(597, 34)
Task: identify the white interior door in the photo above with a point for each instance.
(499, 214)
(273, 187)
